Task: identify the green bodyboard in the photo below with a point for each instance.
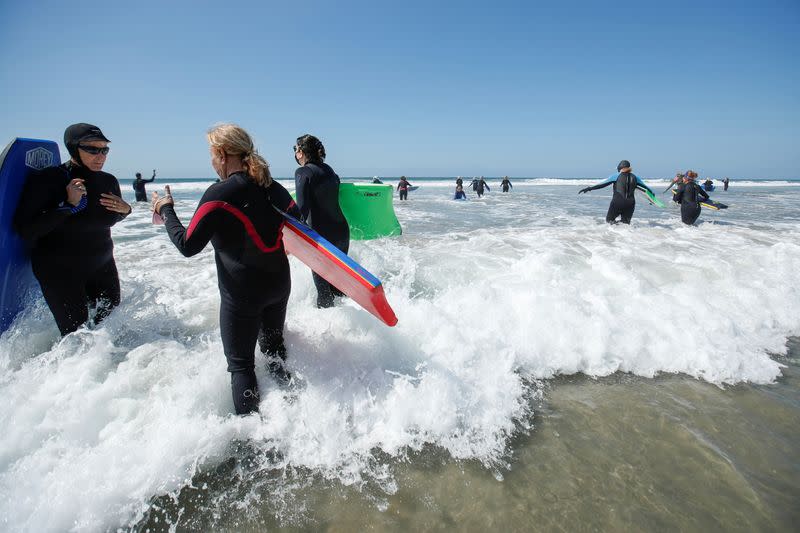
(369, 210)
(650, 196)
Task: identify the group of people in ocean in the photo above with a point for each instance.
(688, 193)
(66, 213)
(479, 186)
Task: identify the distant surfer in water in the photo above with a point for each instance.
(460, 194)
(623, 202)
(376, 180)
(478, 184)
(506, 184)
(708, 184)
(317, 187)
(725, 183)
(138, 186)
(690, 196)
(237, 216)
(402, 188)
(66, 214)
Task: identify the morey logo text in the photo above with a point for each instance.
(38, 158)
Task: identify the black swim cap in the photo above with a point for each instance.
(76, 133)
(623, 164)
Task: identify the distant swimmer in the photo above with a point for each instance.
(402, 187)
(478, 184)
(138, 186)
(623, 202)
(238, 217)
(708, 184)
(506, 184)
(460, 194)
(689, 196)
(725, 184)
(376, 180)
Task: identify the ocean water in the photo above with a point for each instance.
(548, 372)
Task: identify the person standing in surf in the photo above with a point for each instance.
(139, 188)
(725, 183)
(239, 216)
(66, 214)
(402, 188)
(317, 189)
(506, 184)
(690, 196)
(623, 202)
(478, 185)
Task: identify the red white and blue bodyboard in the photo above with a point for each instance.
(17, 284)
(337, 268)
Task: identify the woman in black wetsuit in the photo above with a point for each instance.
(317, 188)
(66, 213)
(238, 215)
(690, 196)
(623, 202)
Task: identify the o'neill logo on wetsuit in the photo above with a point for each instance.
(39, 158)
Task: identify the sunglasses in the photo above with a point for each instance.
(94, 150)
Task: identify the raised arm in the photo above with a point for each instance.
(191, 241)
(611, 179)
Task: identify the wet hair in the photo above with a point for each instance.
(312, 148)
(234, 140)
(691, 174)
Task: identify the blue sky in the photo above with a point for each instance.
(416, 88)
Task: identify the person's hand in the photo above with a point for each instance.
(157, 203)
(584, 190)
(75, 191)
(115, 204)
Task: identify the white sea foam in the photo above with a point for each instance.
(490, 293)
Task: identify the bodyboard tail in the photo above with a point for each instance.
(337, 268)
(369, 210)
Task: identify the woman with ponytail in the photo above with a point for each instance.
(239, 216)
(317, 188)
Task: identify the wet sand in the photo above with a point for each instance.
(621, 453)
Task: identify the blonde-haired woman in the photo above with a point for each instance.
(238, 217)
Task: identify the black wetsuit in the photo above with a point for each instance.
(623, 202)
(506, 184)
(237, 216)
(72, 252)
(725, 184)
(402, 187)
(689, 196)
(478, 186)
(317, 189)
(138, 188)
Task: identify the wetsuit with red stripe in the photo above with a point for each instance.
(236, 215)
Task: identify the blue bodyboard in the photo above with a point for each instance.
(17, 284)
